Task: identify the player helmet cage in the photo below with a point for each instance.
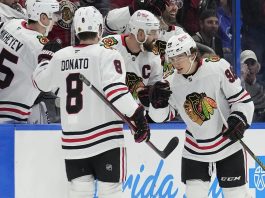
(88, 19)
(37, 7)
(179, 44)
(146, 21)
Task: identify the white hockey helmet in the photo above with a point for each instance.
(88, 19)
(36, 7)
(179, 44)
(145, 20)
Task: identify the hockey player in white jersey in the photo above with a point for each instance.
(216, 110)
(11, 9)
(117, 20)
(20, 44)
(92, 137)
(143, 66)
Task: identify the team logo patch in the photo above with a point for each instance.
(43, 39)
(161, 46)
(109, 42)
(134, 82)
(68, 9)
(168, 69)
(213, 58)
(199, 107)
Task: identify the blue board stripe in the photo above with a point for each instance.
(7, 173)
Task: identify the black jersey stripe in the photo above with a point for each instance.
(247, 101)
(207, 153)
(117, 97)
(113, 85)
(236, 95)
(15, 104)
(93, 143)
(92, 129)
(205, 140)
(13, 117)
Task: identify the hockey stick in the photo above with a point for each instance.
(252, 154)
(173, 143)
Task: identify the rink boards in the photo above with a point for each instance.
(31, 163)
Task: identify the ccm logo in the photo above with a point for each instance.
(230, 178)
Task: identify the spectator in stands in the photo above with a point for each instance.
(224, 13)
(189, 17)
(170, 14)
(253, 30)
(208, 32)
(250, 67)
(11, 9)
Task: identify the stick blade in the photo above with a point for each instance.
(173, 143)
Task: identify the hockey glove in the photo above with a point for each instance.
(143, 96)
(159, 94)
(143, 131)
(237, 125)
(49, 49)
(157, 7)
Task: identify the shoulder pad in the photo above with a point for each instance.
(42, 39)
(212, 58)
(108, 42)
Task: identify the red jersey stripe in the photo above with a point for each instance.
(189, 141)
(15, 111)
(92, 136)
(116, 90)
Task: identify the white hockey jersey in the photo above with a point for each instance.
(204, 102)
(116, 22)
(7, 13)
(89, 126)
(141, 69)
(19, 50)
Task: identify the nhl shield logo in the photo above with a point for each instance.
(68, 9)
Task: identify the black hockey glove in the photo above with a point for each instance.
(237, 125)
(157, 7)
(49, 49)
(143, 131)
(143, 96)
(159, 94)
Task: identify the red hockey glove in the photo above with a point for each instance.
(143, 131)
(143, 96)
(157, 7)
(49, 49)
(159, 94)
(237, 125)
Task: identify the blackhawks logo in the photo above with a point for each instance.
(109, 42)
(133, 82)
(161, 46)
(168, 70)
(43, 39)
(213, 58)
(199, 107)
(68, 9)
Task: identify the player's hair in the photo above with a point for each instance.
(198, 54)
(87, 35)
(208, 13)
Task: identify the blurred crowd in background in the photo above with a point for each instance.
(207, 21)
